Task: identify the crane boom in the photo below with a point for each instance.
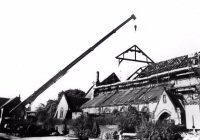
(61, 73)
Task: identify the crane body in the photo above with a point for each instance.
(61, 73)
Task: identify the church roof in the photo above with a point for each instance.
(110, 79)
(127, 96)
(140, 91)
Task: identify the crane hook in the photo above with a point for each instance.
(135, 27)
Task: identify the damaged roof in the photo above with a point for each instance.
(127, 96)
(168, 65)
(159, 72)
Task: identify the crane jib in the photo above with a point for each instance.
(61, 73)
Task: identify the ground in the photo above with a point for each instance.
(46, 138)
(35, 138)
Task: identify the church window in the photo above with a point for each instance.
(164, 99)
(61, 112)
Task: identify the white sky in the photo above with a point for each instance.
(38, 38)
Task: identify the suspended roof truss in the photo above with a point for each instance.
(134, 53)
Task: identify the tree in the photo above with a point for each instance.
(71, 92)
(41, 113)
(45, 113)
(51, 107)
(129, 120)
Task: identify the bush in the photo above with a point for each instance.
(107, 119)
(128, 121)
(85, 126)
(34, 130)
(161, 130)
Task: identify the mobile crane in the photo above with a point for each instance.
(61, 73)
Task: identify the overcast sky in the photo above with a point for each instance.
(38, 38)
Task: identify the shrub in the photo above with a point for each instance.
(85, 126)
(128, 121)
(161, 130)
(106, 119)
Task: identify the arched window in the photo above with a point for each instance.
(61, 112)
(164, 99)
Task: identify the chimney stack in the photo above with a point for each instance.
(97, 81)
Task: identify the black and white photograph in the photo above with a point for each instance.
(99, 70)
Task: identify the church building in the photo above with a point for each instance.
(168, 90)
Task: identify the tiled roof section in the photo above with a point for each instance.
(3, 101)
(98, 100)
(75, 102)
(110, 79)
(139, 95)
(114, 98)
(129, 93)
(171, 64)
(128, 96)
(153, 94)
